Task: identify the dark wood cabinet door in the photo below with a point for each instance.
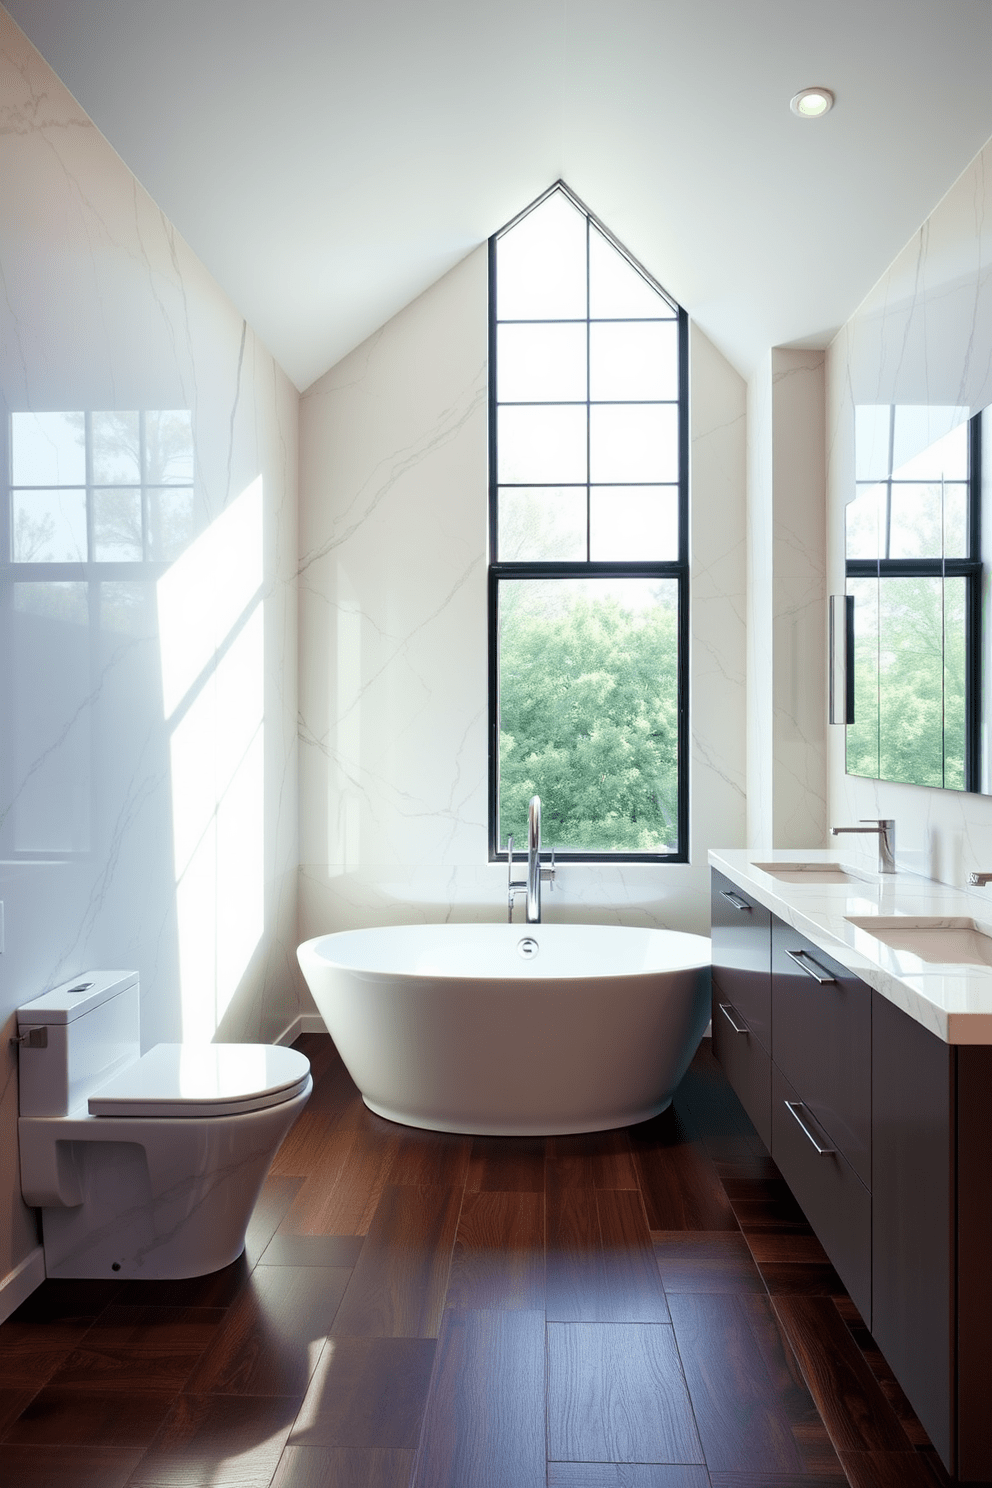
(912, 1190)
(821, 1017)
(745, 1063)
(741, 936)
(832, 1196)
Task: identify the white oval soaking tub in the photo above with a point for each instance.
(512, 1030)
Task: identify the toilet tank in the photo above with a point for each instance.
(74, 1038)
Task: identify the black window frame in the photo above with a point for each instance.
(677, 569)
(970, 568)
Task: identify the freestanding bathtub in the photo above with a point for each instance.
(512, 1030)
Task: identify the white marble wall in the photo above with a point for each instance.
(393, 673)
(786, 573)
(923, 336)
(147, 731)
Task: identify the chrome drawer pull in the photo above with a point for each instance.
(725, 1008)
(813, 969)
(793, 1109)
(735, 900)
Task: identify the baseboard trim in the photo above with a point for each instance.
(18, 1284)
(302, 1023)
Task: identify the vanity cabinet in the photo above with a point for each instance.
(742, 997)
(882, 1131)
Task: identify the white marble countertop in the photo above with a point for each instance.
(954, 1001)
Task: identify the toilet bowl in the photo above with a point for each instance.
(143, 1165)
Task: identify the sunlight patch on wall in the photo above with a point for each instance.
(213, 650)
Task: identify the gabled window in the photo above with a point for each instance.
(588, 587)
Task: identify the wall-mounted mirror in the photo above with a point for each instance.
(914, 569)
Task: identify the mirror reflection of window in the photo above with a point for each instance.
(914, 569)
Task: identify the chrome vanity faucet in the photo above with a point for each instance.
(886, 829)
(531, 885)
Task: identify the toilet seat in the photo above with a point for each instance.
(196, 1080)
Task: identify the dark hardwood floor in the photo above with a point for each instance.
(637, 1309)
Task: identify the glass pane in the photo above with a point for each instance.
(116, 449)
(917, 520)
(873, 442)
(544, 444)
(541, 264)
(631, 523)
(930, 443)
(543, 525)
(911, 680)
(634, 361)
(117, 525)
(589, 712)
(49, 526)
(862, 734)
(170, 522)
(955, 520)
(169, 447)
(540, 363)
(616, 289)
(865, 517)
(954, 683)
(633, 444)
(47, 449)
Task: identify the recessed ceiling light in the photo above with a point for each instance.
(810, 103)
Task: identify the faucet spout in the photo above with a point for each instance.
(534, 861)
(886, 829)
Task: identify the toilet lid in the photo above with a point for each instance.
(203, 1080)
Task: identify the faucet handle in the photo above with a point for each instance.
(548, 874)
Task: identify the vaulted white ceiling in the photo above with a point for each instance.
(329, 159)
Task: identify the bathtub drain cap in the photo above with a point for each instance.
(527, 947)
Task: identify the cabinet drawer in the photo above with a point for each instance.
(822, 1041)
(832, 1196)
(741, 941)
(745, 1063)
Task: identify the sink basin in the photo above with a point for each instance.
(954, 941)
(810, 873)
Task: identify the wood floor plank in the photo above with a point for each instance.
(12, 1403)
(272, 1337)
(854, 1410)
(398, 1286)
(616, 1393)
(886, 1470)
(590, 1160)
(745, 1388)
(313, 1250)
(67, 1467)
(90, 1418)
(632, 1289)
(600, 1261)
(344, 1467)
(225, 1441)
(484, 1425)
(428, 1159)
(626, 1475)
(681, 1188)
(268, 1214)
(367, 1392)
(498, 1260)
(340, 1196)
(507, 1164)
(786, 1480)
(141, 1348)
(705, 1261)
(305, 1143)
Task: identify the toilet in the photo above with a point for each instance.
(143, 1165)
